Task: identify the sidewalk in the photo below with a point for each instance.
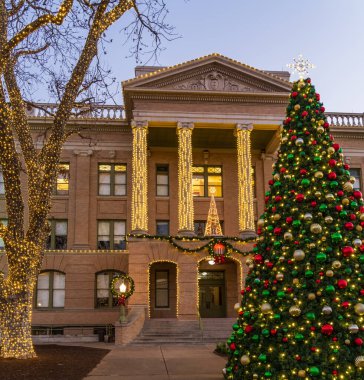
(167, 362)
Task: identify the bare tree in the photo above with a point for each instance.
(60, 43)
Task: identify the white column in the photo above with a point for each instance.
(139, 198)
(245, 172)
(185, 196)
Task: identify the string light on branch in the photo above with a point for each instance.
(301, 66)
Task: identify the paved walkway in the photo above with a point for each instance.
(167, 362)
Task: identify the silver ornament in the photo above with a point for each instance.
(295, 311)
(353, 329)
(298, 255)
(327, 310)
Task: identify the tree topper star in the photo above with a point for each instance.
(301, 66)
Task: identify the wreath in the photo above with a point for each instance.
(115, 287)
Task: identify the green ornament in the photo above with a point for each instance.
(340, 317)
(246, 314)
(308, 273)
(229, 369)
(348, 270)
(281, 294)
(323, 207)
(330, 289)
(255, 249)
(269, 228)
(277, 244)
(268, 374)
(290, 157)
(311, 316)
(296, 223)
(321, 257)
(314, 371)
(265, 293)
(334, 184)
(336, 237)
(361, 258)
(353, 205)
(235, 327)
(277, 316)
(257, 281)
(265, 333)
(343, 214)
(294, 273)
(302, 154)
(240, 332)
(255, 338)
(236, 353)
(299, 337)
(262, 358)
(305, 182)
(335, 350)
(317, 159)
(277, 184)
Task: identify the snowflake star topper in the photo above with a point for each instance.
(301, 66)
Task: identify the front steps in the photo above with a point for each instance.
(174, 331)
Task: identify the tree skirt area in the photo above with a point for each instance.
(53, 363)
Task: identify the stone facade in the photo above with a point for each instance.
(213, 94)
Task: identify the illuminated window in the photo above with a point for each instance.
(200, 226)
(5, 223)
(2, 184)
(111, 234)
(162, 181)
(162, 227)
(112, 179)
(50, 290)
(357, 174)
(204, 178)
(57, 239)
(62, 185)
(161, 288)
(104, 296)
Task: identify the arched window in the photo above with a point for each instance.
(104, 297)
(50, 290)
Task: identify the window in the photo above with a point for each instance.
(204, 178)
(111, 234)
(200, 226)
(162, 181)
(5, 223)
(161, 288)
(62, 185)
(104, 297)
(2, 184)
(163, 227)
(112, 179)
(50, 290)
(58, 236)
(357, 174)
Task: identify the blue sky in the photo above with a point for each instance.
(267, 34)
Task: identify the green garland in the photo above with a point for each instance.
(117, 293)
(209, 245)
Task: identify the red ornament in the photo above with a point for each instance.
(336, 146)
(357, 194)
(361, 248)
(340, 193)
(289, 220)
(300, 197)
(284, 339)
(361, 292)
(332, 175)
(313, 203)
(242, 292)
(332, 162)
(248, 329)
(327, 329)
(313, 328)
(294, 94)
(283, 170)
(342, 284)
(349, 226)
(277, 231)
(304, 113)
(326, 125)
(338, 208)
(278, 198)
(352, 216)
(347, 251)
(258, 259)
(269, 265)
(358, 341)
(346, 167)
(335, 372)
(303, 171)
(298, 357)
(273, 332)
(270, 182)
(294, 137)
(232, 347)
(318, 97)
(322, 109)
(287, 121)
(314, 142)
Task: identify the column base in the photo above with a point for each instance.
(187, 233)
(247, 234)
(139, 232)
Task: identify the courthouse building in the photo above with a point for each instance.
(211, 119)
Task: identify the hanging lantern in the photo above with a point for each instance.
(219, 249)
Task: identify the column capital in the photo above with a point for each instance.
(185, 125)
(244, 127)
(83, 153)
(139, 123)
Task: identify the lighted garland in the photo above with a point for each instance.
(122, 297)
(209, 243)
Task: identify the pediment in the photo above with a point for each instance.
(214, 73)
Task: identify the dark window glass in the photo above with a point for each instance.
(58, 236)
(163, 227)
(162, 180)
(161, 288)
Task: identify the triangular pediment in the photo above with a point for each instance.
(213, 73)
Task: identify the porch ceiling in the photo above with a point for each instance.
(207, 138)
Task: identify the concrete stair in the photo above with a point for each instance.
(174, 331)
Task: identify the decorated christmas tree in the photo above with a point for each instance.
(302, 308)
(213, 227)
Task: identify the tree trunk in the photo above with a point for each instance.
(15, 328)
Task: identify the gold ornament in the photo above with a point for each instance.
(281, 259)
(359, 361)
(329, 219)
(320, 129)
(260, 223)
(295, 281)
(279, 276)
(329, 273)
(359, 308)
(352, 179)
(318, 194)
(245, 360)
(311, 296)
(249, 261)
(336, 264)
(331, 150)
(347, 341)
(276, 177)
(319, 174)
(345, 201)
(330, 197)
(298, 255)
(288, 236)
(276, 216)
(312, 245)
(316, 228)
(302, 373)
(348, 187)
(359, 228)
(284, 139)
(297, 107)
(237, 306)
(295, 311)
(266, 308)
(307, 216)
(319, 293)
(362, 217)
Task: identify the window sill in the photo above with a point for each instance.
(111, 196)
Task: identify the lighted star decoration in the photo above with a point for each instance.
(301, 66)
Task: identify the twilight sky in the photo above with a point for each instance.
(267, 34)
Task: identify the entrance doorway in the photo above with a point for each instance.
(163, 290)
(212, 294)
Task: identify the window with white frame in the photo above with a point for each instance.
(162, 180)
(112, 179)
(104, 296)
(57, 238)
(111, 234)
(50, 290)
